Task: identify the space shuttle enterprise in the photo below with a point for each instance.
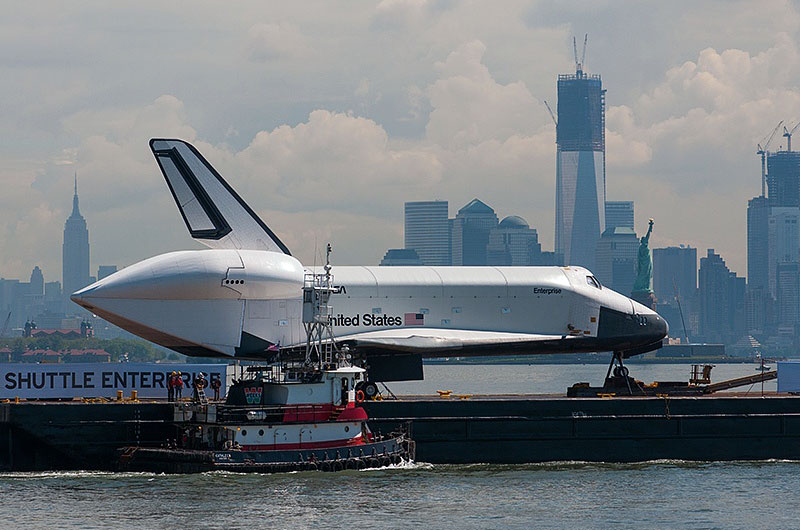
(242, 298)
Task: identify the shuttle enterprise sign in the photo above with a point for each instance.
(53, 381)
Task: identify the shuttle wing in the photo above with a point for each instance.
(432, 342)
(213, 212)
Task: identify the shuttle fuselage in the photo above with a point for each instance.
(239, 302)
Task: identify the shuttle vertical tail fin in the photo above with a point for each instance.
(213, 212)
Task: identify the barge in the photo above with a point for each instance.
(493, 429)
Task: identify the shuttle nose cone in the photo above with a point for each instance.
(81, 297)
(652, 325)
(656, 327)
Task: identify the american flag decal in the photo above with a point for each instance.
(414, 319)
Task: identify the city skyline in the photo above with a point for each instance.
(444, 101)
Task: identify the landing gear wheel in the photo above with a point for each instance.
(370, 390)
(620, 371)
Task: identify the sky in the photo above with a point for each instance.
(327, 116)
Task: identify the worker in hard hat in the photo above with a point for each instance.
(171, 386)
(178, 386)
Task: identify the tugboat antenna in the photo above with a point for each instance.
(321, 348)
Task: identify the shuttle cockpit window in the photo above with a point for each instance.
(594, 282)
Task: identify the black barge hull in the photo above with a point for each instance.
(493, 429)
(510, 430)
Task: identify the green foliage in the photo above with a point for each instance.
(137, 350)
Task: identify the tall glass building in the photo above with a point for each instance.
(427, 230)
(619, 213)
(470, 233)
(580, 167)
(758, 264)
(75, 250)
(721, 296)
(783, 178)
(513, 243)
(675, 269)
(783, 241)
(615, 264)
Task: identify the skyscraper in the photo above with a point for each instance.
(615, 263)
(513, 242)
(37, 282)
(758, 243)
(758, 310)
(787, 280)
(619, 213)
(75, 250)
(470, 233)
(675, 268)
(783, 241)
(580, 166)
(783, 178)
(105, 270)
(427, 230)
(722, 299)
(400, 257)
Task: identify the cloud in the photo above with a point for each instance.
(395, 14)
(266, 42)
(334, 158)
(333, 115)
(469, 106)
(689, 143)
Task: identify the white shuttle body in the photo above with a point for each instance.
(242, 298)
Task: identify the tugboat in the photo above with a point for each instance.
(290, 416)
(276, 422)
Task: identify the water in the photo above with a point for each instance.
(664, 494)
(555, 378)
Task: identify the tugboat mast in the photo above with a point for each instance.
(321, 349)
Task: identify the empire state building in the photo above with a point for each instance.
(75, 251)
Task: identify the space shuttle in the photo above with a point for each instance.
(242, 297)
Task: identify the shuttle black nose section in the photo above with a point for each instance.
(658, 326)
(631, 331)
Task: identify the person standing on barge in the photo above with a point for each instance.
(178, 391)
(215, 385)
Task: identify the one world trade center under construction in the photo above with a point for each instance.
(580, 166)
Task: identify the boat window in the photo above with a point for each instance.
(594, 282)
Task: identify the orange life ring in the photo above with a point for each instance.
(359, 396)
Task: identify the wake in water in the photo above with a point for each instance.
(72, 474)
(410, 465)
(403, 465)
(571, 465)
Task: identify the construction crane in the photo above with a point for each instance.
(763, 152)
(551, 113)
(788, 135)
(583, 55)
(579, 64)
(680, 309)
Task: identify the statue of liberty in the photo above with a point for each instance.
(643, 286)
